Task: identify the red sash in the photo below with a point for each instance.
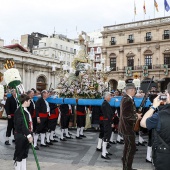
(43, 115)
(80, 113)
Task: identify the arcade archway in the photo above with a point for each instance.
(41, 83)
(112, 84)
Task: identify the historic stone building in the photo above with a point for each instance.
(36, 71)
(138, 48)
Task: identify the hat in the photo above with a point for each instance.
(130, 86)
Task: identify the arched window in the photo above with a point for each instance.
(41, 83)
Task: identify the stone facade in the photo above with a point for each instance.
(136, 45)
(36, 71)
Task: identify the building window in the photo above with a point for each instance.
(98, 50)
(130, 62)
(148, 61)
(113, 64)
(56, 45)
(167, 59)
(130, 38)
(61, 47)
(71, 49)
(74, 51)
(113, 41)
(66, 48)
(92, 50)
(148, 36)
(166, 34)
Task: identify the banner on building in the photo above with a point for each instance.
(145, 71)
(165, 67)
(128, 71)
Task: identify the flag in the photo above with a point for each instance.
(167, 8)
(134, 8)
(156, 5)
(144, 8)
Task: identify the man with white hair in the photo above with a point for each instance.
(107, 121)
(128, 117)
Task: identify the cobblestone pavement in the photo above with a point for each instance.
(73, 154)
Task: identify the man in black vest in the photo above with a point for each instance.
(160, 122)
(42, 113)
(128, 117)
(10, 108)
(107, 122)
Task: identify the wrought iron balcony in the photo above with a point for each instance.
(149, 38)
(165, 36)
(130, 41)
(112, 42)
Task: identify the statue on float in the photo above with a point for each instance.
(81, 81)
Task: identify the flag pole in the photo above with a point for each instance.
(154, 7)
(134, 10)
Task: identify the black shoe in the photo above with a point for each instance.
(141, 144)
(63, 139)
(55, 136)
(100, 150)
(134, 169)
(7, 142)
(49, 143)
(145, 142)
(43, 145)
(13, 140)
(69, 137)
(82, 136)
(36, 148)
(136, 149)
(121, 142)
(109, 153)
(78, 137)
(137, 144)
(54, 140)
(69, 133)
(108, 146)
(105, 157)
(112, 142)
(148, 161)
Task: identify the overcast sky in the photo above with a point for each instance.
(18, 17)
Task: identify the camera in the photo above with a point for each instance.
(163, 97)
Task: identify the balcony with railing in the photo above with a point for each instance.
(149, 38)
(165, 36)
(112, 42)
(130, 41)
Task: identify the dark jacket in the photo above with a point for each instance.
(19, 124)
(40, 106)
(161, 146)
(107, 111)
(127, 116)
(10, 106)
